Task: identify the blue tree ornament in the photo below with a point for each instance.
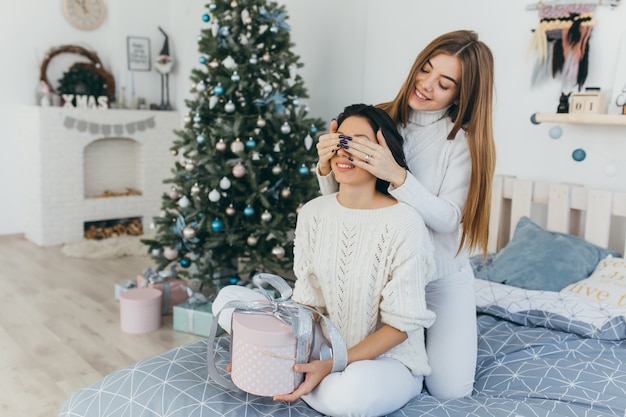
(206, 17)
(185, 263)
(303, 170)
(217, 225)
(248, 211)
(218, 90)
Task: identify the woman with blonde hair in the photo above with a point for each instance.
(444, 112)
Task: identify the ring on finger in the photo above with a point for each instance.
(367, 158)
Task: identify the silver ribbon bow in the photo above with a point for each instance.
(296, 315)
(153, 277)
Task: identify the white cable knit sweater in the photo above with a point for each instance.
(436, 185)
(366, 268)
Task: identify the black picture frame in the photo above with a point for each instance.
(138, 53)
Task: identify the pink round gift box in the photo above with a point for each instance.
(263, 354)
(140, 310)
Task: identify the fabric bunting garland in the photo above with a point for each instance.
(108, 128)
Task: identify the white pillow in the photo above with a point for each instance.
(607, 283)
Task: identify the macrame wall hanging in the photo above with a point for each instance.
(561, 44)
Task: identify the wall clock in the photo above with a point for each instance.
(84, 14)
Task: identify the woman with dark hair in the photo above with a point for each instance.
(364, 259)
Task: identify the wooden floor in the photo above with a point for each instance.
(59, 325)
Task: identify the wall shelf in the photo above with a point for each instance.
(579, 118)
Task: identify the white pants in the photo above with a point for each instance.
(365, 388)
(451, 342)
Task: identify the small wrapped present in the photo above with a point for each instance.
(140, 310)
(194, 316)
(268, 338)
(174, 289)
(120, 287)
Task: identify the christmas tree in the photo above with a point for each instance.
(246, 154)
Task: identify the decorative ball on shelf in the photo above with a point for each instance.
(253, 60)
(266, 216)
(218, 90)
(201, 86)
(189, 232)
(220, 146)
(285, 192)
(303, 170)
(239, 170)
(555, 132)
(235, 77)
(217, 225)
(197, 118)
(276, 170)
(252, 240)
(200, 138)
(185, 263)
(206, 17)
(170, 253)
(237, 146)
(278, 251)
(229, 107)
(610, 170)
(579, 155)
(260, 122)
(202, 60)
(214, 196)
(225, 183)
(248, 211)
(313, 129)
(285, 128)
(230, 210)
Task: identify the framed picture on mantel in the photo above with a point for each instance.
(138, 53)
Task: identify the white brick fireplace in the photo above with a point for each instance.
(73, 156)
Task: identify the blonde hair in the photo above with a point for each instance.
(470, 111)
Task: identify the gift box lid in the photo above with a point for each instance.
(141, 296)
(261, 329)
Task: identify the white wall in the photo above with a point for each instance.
(353, 51)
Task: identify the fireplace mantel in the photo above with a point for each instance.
(54, 142)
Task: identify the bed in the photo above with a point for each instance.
(551, 312)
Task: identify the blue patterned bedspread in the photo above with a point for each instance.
(528, 371)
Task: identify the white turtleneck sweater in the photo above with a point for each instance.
(366, 268)
(436, 185)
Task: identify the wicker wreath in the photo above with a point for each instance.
(90, 69)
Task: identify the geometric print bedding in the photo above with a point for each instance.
(521, 371)
(554, 310)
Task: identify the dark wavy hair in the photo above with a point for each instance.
(379, 119)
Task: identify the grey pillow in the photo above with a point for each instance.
(537, 259)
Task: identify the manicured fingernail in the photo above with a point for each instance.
(345, 147)
(350, 159)
(339, 145)
(341, 136)
(349, 137)
(345, 142)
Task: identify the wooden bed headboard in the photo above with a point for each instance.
(598, 216)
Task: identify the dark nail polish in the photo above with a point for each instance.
(350, 159)
(345, 142)
(345, 147)
(339, 145)
(341, 136)
(349, 137)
